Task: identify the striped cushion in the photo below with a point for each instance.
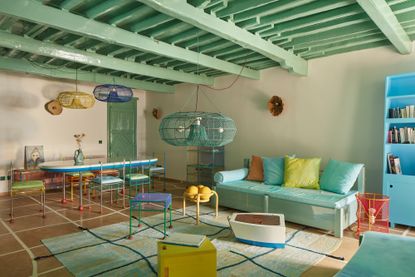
(135, 177)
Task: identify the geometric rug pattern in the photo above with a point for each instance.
(106, 251)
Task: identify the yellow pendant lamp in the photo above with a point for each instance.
(76, 99)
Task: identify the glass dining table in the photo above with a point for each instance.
(68, 166)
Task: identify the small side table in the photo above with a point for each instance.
(372, 213)
(186, 261)
(144, 201)
(197, 199)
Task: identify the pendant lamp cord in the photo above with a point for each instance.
(76, 79)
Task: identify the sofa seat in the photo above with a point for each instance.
(314, 197)
(250, 187)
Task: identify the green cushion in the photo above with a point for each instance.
(135, 177)
(84, 174)
(107, 180)
(251, 187)
(273, 170)
(302, 173)
(339, 176)
(22, 185)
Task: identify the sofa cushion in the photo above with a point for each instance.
(301, 173)
(315, 197)
(273, 170)
(230, 175)
(256, 169)
(249, 187)
(339, 177)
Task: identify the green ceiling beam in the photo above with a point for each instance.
(66, 53)
(20, 65)
(235, 7)
(36, 12)
(150, 22)
(382, 15)
(70, 4)
(104, 7)
(198, 18)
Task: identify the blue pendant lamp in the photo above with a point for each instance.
(197, 129)
(113, 93)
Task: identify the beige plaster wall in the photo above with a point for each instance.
(334, 112)
(24, 121)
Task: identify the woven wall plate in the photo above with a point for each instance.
(275, 105)
(53, 107)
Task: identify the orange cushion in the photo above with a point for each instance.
(256, 170)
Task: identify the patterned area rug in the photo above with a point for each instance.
(106, 251)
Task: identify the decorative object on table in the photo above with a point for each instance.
(113, 93)
(78, 154)
(156, 113)
(260, 229)
(305, 247)
(76, 99)
(372, 213)
(53, 107)
(197, 128)
(199, 194)
(33, 156)
(275, 105)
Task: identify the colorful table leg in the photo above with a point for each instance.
(64, 189)
(137, 202)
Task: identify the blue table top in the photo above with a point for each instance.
(93, 164)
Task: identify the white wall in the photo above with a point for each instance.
(334, 112)
(24, 120)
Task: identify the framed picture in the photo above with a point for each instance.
(33, 156)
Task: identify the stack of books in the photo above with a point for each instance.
(405, 112)
(401, 135)
(394, 164)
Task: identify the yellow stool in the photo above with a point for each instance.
(200, 198)
(183, 261)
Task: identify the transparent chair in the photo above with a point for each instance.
(25, 187)
(108, 183)
(136, 179)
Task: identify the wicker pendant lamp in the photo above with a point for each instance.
(113, 93)
(197, 129)
(76, 99)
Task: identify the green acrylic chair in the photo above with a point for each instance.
(106, 183)
(136, 179)
(25, 187)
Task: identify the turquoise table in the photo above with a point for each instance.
(89, 165)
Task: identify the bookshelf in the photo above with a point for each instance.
(399, 141)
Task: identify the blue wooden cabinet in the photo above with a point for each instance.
(399, 116)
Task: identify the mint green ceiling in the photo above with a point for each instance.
(154, 44)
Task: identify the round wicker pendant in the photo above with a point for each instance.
(197, 129)
(53, 107)
(76, 100)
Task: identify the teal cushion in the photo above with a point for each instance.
(273, 170)
(339, 177)
(251, 187)
(230, 175)
(107, 180)
(135, 177)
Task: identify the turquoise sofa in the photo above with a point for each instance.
(316, 208)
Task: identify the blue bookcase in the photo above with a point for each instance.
(399, 94)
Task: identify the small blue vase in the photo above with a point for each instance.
(78, 157)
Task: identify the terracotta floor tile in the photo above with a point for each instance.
(326, 267)
(35, 221)
(33, 237)
(8, 244)
(107, 220)
(16, 265)
(347, 248)
(62, 272)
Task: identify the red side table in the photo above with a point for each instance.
(372, 213)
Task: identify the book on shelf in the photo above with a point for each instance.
(185, 239)
(394, 164)
(402, 112)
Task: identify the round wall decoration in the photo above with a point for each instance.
(275, 105)
(53, 107)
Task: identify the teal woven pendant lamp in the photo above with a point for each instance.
(197, 129)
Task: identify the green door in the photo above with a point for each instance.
(122, 130)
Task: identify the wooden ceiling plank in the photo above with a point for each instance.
(62, 52)
(198, 18)
(382, 15)
(36, 12)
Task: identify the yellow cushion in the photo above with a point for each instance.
(28, 185)
(302, 173)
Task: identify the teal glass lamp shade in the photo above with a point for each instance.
(113, 93)
(197, 129)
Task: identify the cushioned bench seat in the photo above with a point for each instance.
(313, 197)
(251, 187)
